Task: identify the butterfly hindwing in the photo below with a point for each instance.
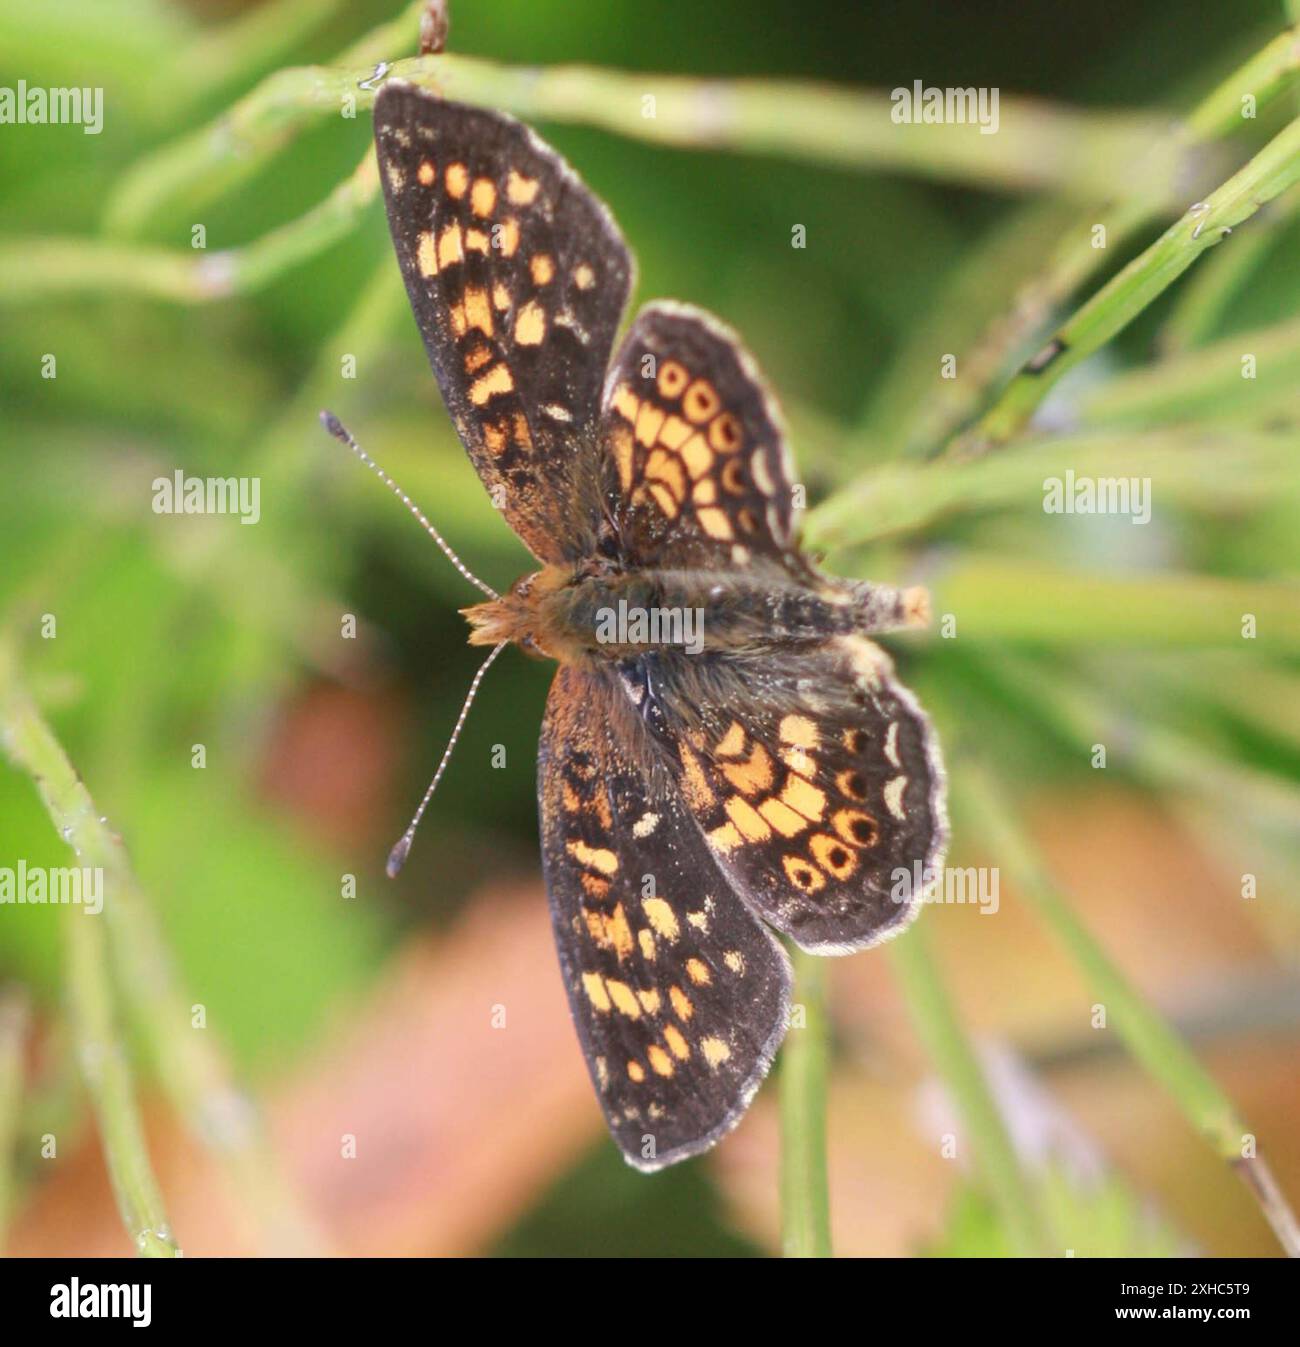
(678, 993)
(816, 781)
(518, 278)
(696, 460)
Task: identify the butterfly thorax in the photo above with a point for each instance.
(595, 612)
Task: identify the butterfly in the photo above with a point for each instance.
(724, 754)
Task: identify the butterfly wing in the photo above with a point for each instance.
(518, 278)
(696, 460)
(678, 994)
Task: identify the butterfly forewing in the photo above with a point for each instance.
(518, 278)
(679, 994)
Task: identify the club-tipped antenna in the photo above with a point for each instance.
(344, 436)
(397, 857)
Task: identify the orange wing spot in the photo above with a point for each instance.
(593, 886)
(594, 985)
(855, 741)
(732, 744)
(673, 378)
(805, 797)
(851, 783)
(701, 402)
(752, 825)
(665, 499)
(674, 432)
(647, 943)
(506, 237)
(650, 1001)
(660, 1061)
(483, 197)
(735, 961)
(500, 297)
(782, 817)
(597, 858)
(624, 999)
(626, 403)
(583, 276)
(662, 919)
(478, 313)
(474, 361)
(725, 434)
(682, 1006)
(698, 972)
(524, 440)
(648, 420)
(831, 854)
(726, 838)
(754, 774)
(715, 1051)
(661, 466)
(458, 319)
(494, 436)
(621, 443)
(697, 456)
(695, 785)
(530, 325)
(636, 1071)
(677, 1045)
(610, 930)
(803, 874)
(521, 191)
(542, 268)
(449, 249)
(476, 240)
(799, 731)
(733, 477)
(426, 254)
(706, 492)
(496, 380)
(716, 524)
(457, 180)
(426, 173)
(856, 827)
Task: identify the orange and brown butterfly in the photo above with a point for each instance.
(724, 754)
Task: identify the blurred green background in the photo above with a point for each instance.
(174, 631)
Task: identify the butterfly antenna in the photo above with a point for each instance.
(397, 857)
(344, 436)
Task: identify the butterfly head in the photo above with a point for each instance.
(522, 615)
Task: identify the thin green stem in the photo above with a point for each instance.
(1149, 1038)
(1274, 169)
(954, 1057)
(805, 1199)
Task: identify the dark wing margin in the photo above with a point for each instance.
(518, 278)
(697, 469)
(680, 997)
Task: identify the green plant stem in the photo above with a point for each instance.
(805, 1200)
(192, 1069)
(1148, 1037)
(1274, 169)
(14, 1025)
(950, 1049)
